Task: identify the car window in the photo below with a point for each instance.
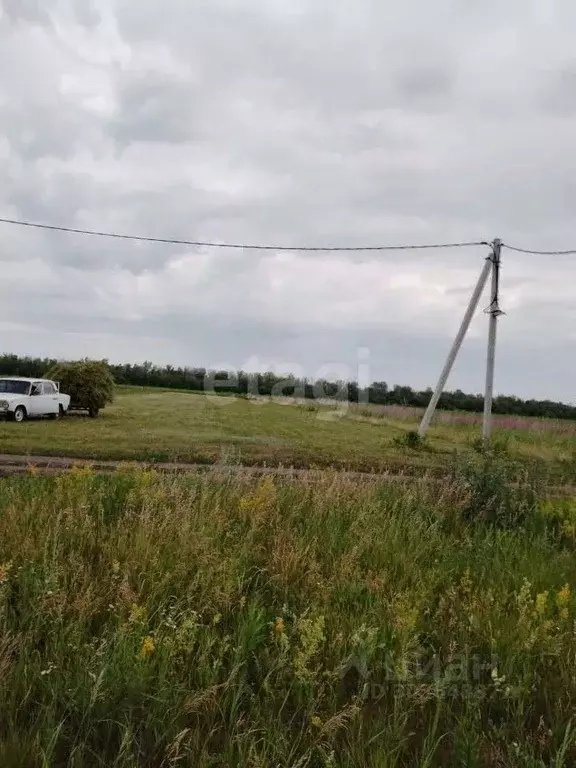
(36, 388)
(14, 387)
(48, 388)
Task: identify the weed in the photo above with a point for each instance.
(499, 446)
(498, 494)
(154, 620)
(410, 439)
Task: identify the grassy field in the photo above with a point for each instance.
(201, 621)
(175, 426)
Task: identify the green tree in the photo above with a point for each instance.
(89, 383)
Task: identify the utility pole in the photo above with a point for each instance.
(482, 280)
(494, 311)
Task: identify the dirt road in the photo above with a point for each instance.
(53, 465)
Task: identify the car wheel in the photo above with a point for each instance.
(61, 411)
(19, 414)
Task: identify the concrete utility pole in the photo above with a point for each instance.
(494, 311)
(482, 280)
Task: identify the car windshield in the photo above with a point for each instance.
(14, 387)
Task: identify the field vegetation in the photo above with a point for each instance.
(221, 620)
(163, 425)
(150, 620)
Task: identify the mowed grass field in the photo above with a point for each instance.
(149, 621)
(160, 426)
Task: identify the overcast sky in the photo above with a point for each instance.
(292, 122)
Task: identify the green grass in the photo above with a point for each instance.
(176, 426)
(203, 621)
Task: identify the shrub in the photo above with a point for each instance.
(89, 383)
(497, 447)
(498, 494)
(410, 439)
(560, 517)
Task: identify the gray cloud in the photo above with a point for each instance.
(559, 93)
(327, 123)
(26, 11)
(155, 108)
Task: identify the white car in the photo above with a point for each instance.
(22, 397)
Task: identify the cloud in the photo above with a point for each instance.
(272, 122)
(29, 12)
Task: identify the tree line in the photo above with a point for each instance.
(269, 384)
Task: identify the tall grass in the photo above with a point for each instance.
(217, 620)
(413, 415)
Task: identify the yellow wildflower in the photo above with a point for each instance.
(137, 614)
(569, 529)
(279, 626)
(563, 600)
(217, 619)
(81, 470)
(242, 601)
(148, 647)
(406, 614)
(541, 604)
(316, 721)
(259, 504)
(311, 631)
(116, 567)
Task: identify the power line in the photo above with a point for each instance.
(201, 244)
(249, 246)
(538, 253)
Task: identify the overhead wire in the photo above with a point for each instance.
(539, 253)
(264, 247)
(246, 246)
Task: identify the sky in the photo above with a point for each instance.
(291, 122)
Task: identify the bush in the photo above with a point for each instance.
(410, 439)
(496, 447)
(89, 383)
(501, 494)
